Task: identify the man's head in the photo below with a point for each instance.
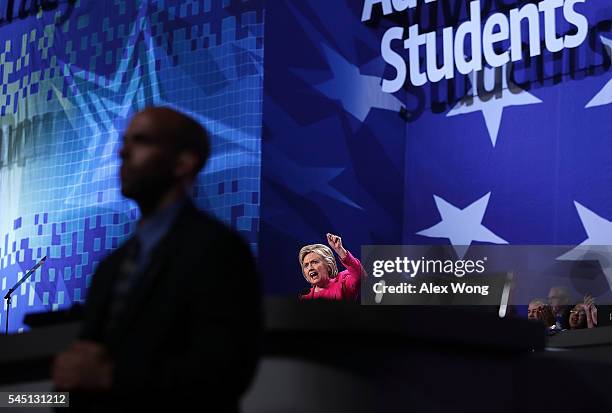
(163, 150)
(534, 308)
(558, 298)
(538, 310)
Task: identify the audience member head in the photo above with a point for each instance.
(533, 307)
(559, 299)
(577, 318)
(538, 310)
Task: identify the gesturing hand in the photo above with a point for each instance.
(590, 310)
(335, 242)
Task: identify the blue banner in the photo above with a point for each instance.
(515, 151)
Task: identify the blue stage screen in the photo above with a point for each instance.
(72, 76)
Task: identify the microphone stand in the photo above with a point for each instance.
(7, 297)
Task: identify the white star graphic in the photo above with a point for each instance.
(358, 93)
(493, 108)
(597, 246)
(462, 226)
(604, 97)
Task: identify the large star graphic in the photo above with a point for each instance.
(462, 226)
(102, 115)
(604, 97)
(358, 93)
(597, 246)
(493, 108)
(303, 179)
(135, 85)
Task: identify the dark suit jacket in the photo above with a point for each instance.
(191, 328)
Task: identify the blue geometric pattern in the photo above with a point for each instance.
(69, 89)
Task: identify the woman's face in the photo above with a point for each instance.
(315, 270)
(577, 317)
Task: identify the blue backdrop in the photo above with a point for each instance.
(72, 76)
(514, 155)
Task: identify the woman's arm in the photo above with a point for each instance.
(353, 274)
(351, 278)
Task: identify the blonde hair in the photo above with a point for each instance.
(324, 252)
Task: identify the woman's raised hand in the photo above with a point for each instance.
(335, 242)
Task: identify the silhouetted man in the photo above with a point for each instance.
(173, 316)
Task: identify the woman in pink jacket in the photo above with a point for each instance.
(319, 269)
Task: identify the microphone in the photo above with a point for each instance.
(25, 277)
(7, 297)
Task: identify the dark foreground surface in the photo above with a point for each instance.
(330, 357)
